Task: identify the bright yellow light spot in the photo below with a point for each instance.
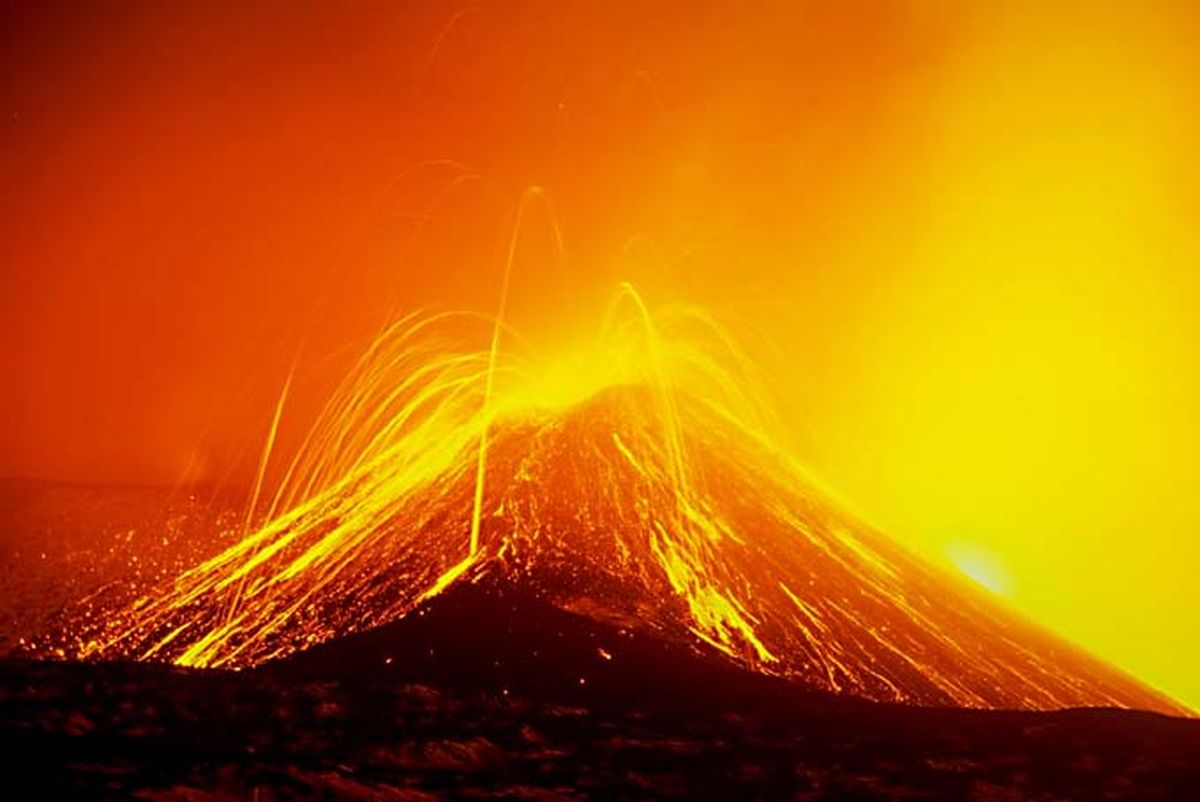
(982, 566)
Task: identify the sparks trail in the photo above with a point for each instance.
(493, 354)
(634, 481)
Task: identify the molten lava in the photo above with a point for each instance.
(637, 483)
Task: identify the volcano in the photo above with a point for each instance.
(643, 505)
(639, 487)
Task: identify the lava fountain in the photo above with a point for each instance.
(637, 481)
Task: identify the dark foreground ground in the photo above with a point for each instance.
(501, 697)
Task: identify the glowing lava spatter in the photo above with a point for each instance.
(637, 482)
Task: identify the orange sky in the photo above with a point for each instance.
(963, 244)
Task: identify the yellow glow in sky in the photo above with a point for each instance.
(1033, 385)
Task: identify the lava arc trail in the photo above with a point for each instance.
(637, 482)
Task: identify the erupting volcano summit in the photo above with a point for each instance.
(637, 485)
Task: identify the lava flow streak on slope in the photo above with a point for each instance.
(637, 483)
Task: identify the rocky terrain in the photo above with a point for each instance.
(486, 696)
